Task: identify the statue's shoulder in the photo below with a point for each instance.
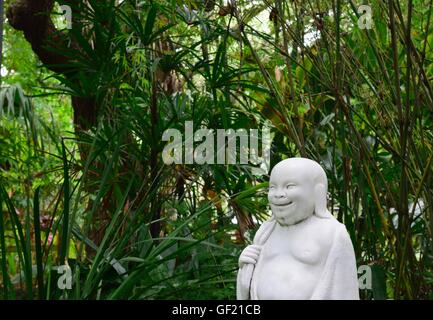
(331, 224)
(264, 231)
(337, 226)
(328, 229)
(334, 230)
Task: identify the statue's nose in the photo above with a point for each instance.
(280, 194)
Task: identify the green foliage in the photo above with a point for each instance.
(358, 101)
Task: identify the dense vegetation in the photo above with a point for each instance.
(83, 110)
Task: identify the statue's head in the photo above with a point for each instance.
(297, 190)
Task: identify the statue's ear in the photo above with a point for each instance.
(320, 201)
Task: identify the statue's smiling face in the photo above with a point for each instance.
(291, 193)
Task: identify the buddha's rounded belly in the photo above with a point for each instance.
(285, 278)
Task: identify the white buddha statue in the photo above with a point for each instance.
(302, 252)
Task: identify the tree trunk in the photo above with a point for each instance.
(33, 19)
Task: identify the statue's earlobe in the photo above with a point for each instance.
(320, 202)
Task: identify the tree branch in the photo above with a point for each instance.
(33, 18)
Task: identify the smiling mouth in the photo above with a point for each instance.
(283, 204)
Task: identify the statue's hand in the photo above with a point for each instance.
(250, 255)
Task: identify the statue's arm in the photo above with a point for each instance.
(346, 275)
(243, 283)
(248, 259)
(339, 280)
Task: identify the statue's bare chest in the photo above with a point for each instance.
(291, 262)
(301, 246)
